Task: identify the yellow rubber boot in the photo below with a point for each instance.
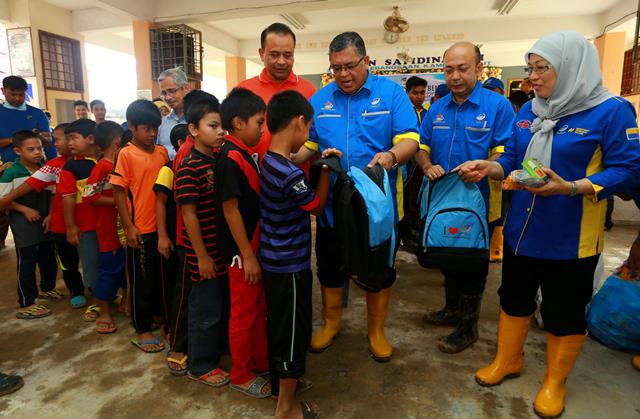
(377, 305)
(635, 361)
(512, 333)
(562, 352)
(495, 246)
(331, 316)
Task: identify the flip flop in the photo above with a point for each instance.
(204, 378)
(180, 362)
(36, 311)
(141, 343)
(78, 301)
(51, 295)
(91, 313)
(309, 411)
(254, 389)
(104, 327)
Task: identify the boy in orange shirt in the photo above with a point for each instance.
(136, 171)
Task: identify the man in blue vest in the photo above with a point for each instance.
(371, 120)
(470, 121)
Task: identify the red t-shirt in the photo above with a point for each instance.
(73, 178)
(49, 176)
(106, 216)
(183, 152)
(265, 87)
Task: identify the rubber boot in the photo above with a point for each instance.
(377, 305)
(449, 315)
(331, 316)
(512, 333)
(635, 361)
(466, 332)
(562, 352)
(495, 246)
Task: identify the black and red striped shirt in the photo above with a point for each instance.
(195, 186)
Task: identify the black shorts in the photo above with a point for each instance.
(288, 322)
(566, 286)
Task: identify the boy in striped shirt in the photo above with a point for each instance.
(285, 247)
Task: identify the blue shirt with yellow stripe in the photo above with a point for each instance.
(454, 133)
(600, 144)
(370, 121)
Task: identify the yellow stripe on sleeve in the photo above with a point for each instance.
(406, 136)
(312, 146)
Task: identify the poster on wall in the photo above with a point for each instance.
(21, 52)
(433, 81)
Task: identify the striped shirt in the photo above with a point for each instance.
(195, 186)
(285, 203)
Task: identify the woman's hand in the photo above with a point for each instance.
(555, 186)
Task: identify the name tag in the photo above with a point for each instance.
(441, 127)
(330, 115)
(478, 129)
(365, 113)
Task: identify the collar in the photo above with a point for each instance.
(201, 155)
(175, 117)
(22, 107)
(368, 85)
(238, 143)
(18, 163)
(264, 78)
(474, 97)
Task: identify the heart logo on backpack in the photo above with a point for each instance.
(453, 230)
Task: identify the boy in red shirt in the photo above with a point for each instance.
(49, 176)
(136, 171)
(99, 193)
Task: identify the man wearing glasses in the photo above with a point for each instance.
(469, 123)
(371, 120)
(174, 85)
(277, 45)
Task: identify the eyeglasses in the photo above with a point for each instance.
(337, 69)
(169, 92)
(540, 69)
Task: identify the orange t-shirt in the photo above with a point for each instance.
(265, 87)
(136, 172)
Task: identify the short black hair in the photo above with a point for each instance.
(84, 127)
(143, 112)
(80, 103)
(106, 132)
(518, 98)
(241, 103)
(415, 81)
(194, 96)
(95, 102)
(22, 136)
(347, 39)
(285, 106)
(280, 29)
(198, 110)
(126, 138)
(14, 83)
(178, 133)
(61, 126)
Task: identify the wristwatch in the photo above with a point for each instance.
(395, 159)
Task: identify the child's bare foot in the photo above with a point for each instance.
(34, 311)
(177, 363)
(105, 324)
(146, 342)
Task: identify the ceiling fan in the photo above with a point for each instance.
(394, 25)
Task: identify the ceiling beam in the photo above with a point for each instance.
(217, 38)
(97, 19)
(137, 9)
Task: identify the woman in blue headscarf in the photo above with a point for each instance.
(587, 141)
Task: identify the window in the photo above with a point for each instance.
(61, 62)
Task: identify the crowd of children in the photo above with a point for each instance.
(213, 249)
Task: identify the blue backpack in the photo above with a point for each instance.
(453, 225)
(364, 218)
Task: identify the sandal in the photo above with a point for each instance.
(309, 411)
(182, 362)
(204, 378)
(140, 344)
(254, 389)
(51, 295)
(302, 386)
(35, 311)
(78, 301)
(91, 313)
(104, 327)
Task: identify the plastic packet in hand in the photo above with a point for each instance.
(518, 179)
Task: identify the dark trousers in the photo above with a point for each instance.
(409, 226)
(330, 272)
(4, 226)
(168, 276)
(179, 305)
(143, 266)
(288, 324)
(43, 255)
(68, 260)
(566, 287)
(208, 324)
(469, 283)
